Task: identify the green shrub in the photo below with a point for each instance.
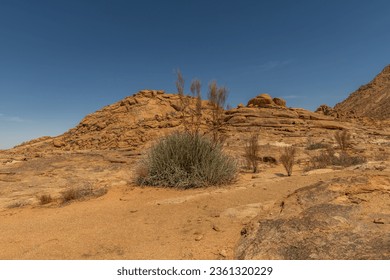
(185, 160)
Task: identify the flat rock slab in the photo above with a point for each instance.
(341, 219)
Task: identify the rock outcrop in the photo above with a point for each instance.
(370, 100)
(127, 124)
(326, 110)
(149, 114)
(341, 219)
(264, 100)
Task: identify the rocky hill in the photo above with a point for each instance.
(85, 179)
(370, 100)
(145, 116)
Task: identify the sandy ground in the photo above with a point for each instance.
(131, 222)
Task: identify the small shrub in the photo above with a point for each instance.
(347, 160)
(71, 194)
(343, 139)
(324, 159)
(329, 158)
(45, 199)
(16, 204)
(288, 159)
(252, 151)
(81, 192)
(316, 146)
(184, 160)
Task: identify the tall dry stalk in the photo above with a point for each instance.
(196, 113)
(252, 151)
(217, 97)
(191, 114)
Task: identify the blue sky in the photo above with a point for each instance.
(63, 59)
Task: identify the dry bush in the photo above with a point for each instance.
(76, 193)
(324, 159)
(346, 160)
(343, 139)
(316, 145)
(16, 204)
(329, 158)
(288, 159)
(183, 160)
(252, 151)
(45, 199)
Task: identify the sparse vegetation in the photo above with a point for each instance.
(288, 159)
(191, 115)
(184, 160)
(196, 113)
(16, 204)
(217, 98)
(316, 146)
(45, 199)
(76, 193)
(343, 139)
(330, 158)
(252, 151)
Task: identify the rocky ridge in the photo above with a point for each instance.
(371, 100)
(143, 117)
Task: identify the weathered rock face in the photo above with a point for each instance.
(371, 100)
(342, 219)
(264, 100)
(128, 124)
(279, 120)
(149, 114)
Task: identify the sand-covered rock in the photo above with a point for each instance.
(342, 219)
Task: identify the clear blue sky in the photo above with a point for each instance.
(63, 59)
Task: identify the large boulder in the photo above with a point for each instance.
(262, 100)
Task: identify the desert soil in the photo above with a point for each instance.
(130, 222)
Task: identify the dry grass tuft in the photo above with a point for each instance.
(16, 204)
(77, 193)
(316, 146)
(45, 199)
